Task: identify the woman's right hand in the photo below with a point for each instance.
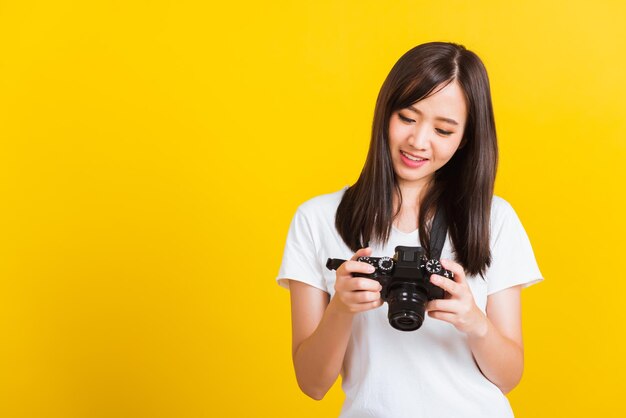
(356, 294)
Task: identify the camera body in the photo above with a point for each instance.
(405, 281)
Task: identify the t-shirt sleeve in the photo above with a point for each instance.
(512, 259)
(300, 261)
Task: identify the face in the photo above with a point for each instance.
(424, 136)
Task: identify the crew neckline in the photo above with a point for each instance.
(404, 233)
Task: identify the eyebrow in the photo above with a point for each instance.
(441, 118)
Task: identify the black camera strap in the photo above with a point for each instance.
(438, 234)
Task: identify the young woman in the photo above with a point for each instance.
(433, 148)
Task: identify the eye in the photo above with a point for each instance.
(443, 132)
(405, 119)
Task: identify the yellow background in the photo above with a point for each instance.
(153, 153)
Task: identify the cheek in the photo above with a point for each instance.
(445, 150)
(395, 135)
(398, 132)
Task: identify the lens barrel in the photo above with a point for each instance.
(407, 303)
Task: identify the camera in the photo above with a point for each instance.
(405, 281)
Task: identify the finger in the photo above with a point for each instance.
(360, 298)
(443, 316)
(362, 252)
(443, 305)
(352, 266)
(377, 303)
(363, 283)
(358, 284)
(366, 297)
(362, 307)
(456, 268)
(446, 284)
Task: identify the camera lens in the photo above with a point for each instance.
(406, 306)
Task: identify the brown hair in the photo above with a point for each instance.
(462, 188)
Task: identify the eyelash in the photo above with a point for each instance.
(439, 131)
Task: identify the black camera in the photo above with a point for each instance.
(405, 279)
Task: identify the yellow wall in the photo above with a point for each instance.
(153, 152)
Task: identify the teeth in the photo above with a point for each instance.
(412, 158)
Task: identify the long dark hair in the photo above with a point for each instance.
(462, 188)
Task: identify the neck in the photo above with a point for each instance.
(408, 212)
(411, 196)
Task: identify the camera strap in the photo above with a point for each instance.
(438, 234)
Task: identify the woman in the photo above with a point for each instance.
(433, 148)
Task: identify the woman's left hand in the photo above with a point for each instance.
(458, 307)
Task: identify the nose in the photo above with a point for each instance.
(419, 139)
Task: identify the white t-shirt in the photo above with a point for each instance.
(428, 373)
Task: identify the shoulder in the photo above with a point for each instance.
(499, 205)
(322, 206)
(314, 220)
(501, 210)
(505, 222)
(513, 259)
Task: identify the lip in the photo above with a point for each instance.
(413, 155)
(410, 163)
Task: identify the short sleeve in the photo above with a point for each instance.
(512, 259)
(300, 261)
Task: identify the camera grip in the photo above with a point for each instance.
(334, 263)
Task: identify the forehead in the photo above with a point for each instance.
(446, 102)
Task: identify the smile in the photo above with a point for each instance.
(412, 158)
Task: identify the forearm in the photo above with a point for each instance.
(499, 358)
(319, 358)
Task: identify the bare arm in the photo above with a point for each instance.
(495, 338)
(321, 328)
(499, 350)
(320, 336)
